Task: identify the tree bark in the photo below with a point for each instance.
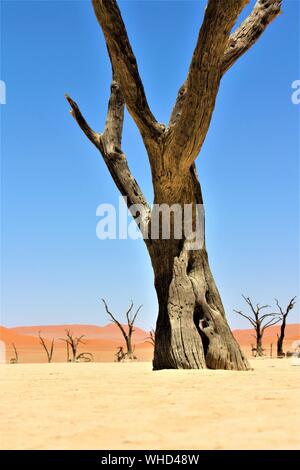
(191, 331)
(280, 339)
(259, 346)
(129, 347)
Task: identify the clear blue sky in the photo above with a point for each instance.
(55, 270)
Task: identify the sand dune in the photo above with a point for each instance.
(127, 406)
(109, 331)
(292, 333)
(102, 341)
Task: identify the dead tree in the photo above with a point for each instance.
(127, 335)
(151, 338)
(49, 351)
(253, 350)
(85, 357)
(120, 354)
(258, 322)
(72, 344)
(191, 330)
(14, 360)
(283, 316)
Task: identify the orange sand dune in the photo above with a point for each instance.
(103, 341)
(246, 338)
(109, 331)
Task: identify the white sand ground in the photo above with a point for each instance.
(127, 406)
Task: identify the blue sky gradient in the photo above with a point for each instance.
(54, 268)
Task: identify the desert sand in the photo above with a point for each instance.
(127, 406)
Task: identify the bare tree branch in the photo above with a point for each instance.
(125, 68)
(135, 315)
(270, 323)
(114, 319)
(151, 338)
(128, 313)
(246, 316)
(267, 315)
(197, 95)
(85, 356)
(290, 306)
(192, 115)
(15, 360)
(263, 13)
(261, 307)
(280, 309)
(248, 300)
(93, 136)
(49, 351)
(109, 144)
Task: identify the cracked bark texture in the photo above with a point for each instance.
(192, 330)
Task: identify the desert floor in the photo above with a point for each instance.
(127, 406)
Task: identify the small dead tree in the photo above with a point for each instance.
(85, 357)
(120, 355)
(283, 316)
(72, 343)
(258, 322)
(129, 354)
(253, 350)
(49, 351)
(151, 338)
(14, 360)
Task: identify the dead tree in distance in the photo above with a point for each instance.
(14, 360)
(127, 335)
(257, 320)
(49, 351)
(191, 330)
(151, 338)
(85, 357)
(72, 344)
(283, 316)
(120, 355)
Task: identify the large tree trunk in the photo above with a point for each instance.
(191, 331)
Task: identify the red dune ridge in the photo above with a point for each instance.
(102, 341)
